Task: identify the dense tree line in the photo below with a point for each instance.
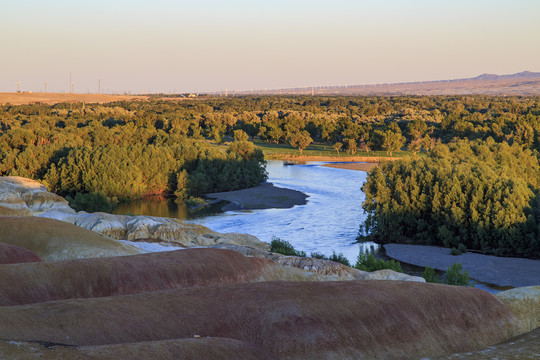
(358, 123)
(479, 194)
(127, 149)
(77, 148)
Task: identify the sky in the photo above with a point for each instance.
(136, 46)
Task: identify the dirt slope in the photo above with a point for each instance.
(357, 319)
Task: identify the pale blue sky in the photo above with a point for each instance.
(165, 45)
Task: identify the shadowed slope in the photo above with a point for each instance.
(523, 347)
(82, 278)
(57, 240)
(11, 254)
(357, 319)
(203, 348)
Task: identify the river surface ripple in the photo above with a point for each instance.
(328, 222)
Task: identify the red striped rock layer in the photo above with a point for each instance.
(10, 254)
(355, 319)
(123, 275)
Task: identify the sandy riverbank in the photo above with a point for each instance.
(264, 196)
(501, 271)
(303, 158)
(353, 166)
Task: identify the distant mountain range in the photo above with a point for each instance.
(525, 83)
(521, 75)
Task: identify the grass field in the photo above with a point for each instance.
(280, 151)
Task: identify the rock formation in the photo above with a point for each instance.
(100, 303)
(345, 320)
(10, 254)
(22, 196)
(57, 240)
(155, 229)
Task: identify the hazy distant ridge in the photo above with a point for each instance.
(523, 83)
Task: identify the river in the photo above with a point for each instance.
(328, 222)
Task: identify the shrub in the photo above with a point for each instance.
(430, 276)
(196, 202)
(90, 203)
(318, 255)
(370, 263)
(461, 249)
(455, 275)
(284, 247)
(340, 258)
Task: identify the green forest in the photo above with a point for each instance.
(470, 175)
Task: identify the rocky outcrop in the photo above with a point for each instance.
(194, 348)
(10, 254)
(338, 270)
(353, 319)
(57, 240)
(387, 274)
(22, 196)
(524, 302)
(156, 229)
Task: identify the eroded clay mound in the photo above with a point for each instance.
(11, 254)
(57, 240)
(356, 319)
(84, 278)
(195, 348)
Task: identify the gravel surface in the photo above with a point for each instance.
(501, 271)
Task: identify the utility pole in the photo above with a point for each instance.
(99, 86)
(45, 87)
(71, 84)
(18, 86)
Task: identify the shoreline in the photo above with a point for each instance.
(500, 271)
(301, 158)
(357, 166)
(263, 196)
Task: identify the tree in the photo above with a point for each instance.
(417, 129)
(351, 146)
(300, 140)
(240, 135)
(393, 139)
(337, 147)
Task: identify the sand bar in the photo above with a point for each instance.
(501, 271)
(353, 166)
(264, 196)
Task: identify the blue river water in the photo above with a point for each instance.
(328, 223)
